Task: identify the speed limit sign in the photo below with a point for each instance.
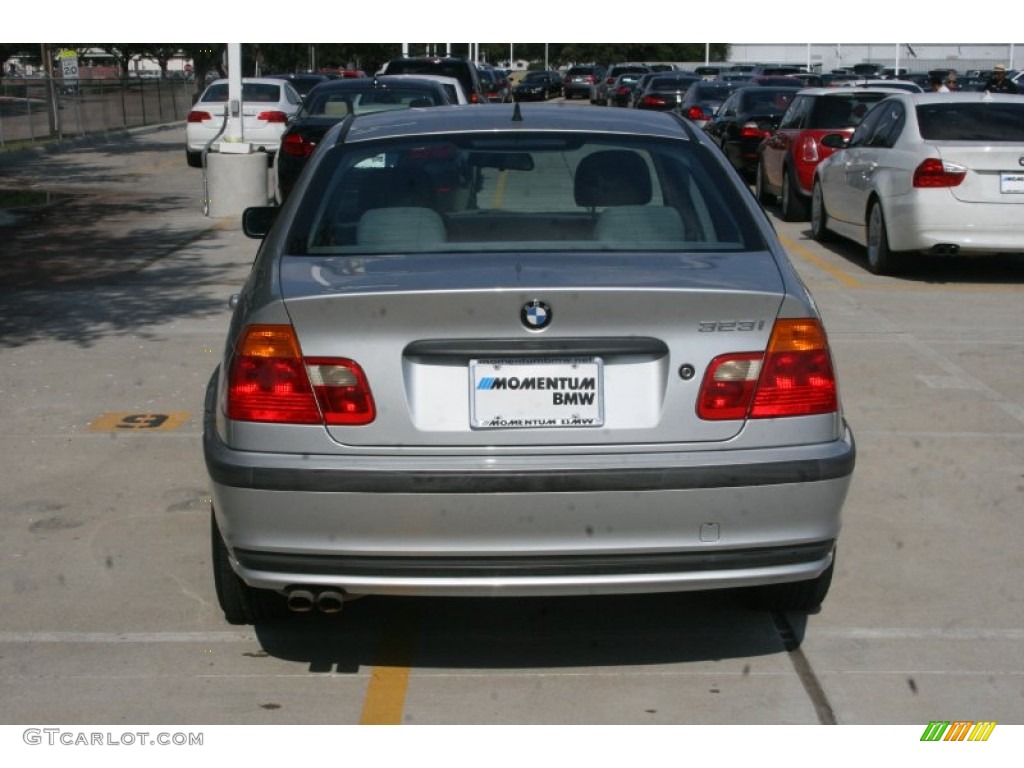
(69, 65)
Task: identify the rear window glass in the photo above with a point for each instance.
(976, 121)
(458, 70)
(673, 82)
(359, 101)
(522, 192)
(713, 92)
(845, 111)
(252, 92)
(765, 100)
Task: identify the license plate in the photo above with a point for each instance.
(538, 393)
(1011, 183)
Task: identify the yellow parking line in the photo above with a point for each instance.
(389, 680)
(805, 254)
(499, 189)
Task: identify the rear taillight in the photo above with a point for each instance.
(270, 381)
(199, 116)
(297, 145)
(474, 98)
(753, 131)
(698, 113)
(622, 90)
(933, 173)
(591, 79)
(807, 152)
(793, 378)
(610, 81)
(653, 101)
(273, 116)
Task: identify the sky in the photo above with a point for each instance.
(745, 21)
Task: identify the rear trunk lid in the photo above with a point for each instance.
(994, 172)
(454, 359)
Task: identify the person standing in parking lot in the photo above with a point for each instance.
(936, 84)
(998, 82)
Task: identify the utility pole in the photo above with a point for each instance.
(51, 90)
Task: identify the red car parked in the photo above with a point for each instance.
(787, 158)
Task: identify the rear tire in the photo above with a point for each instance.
(241, 603)
(881, 260)
(819, 216)
(794, 205)
(798, 596)
(194, 159)
(763, 196)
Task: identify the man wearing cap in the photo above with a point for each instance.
(998, 82)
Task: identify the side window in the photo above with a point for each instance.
(863, 132)
(888, 127)
(728, 108)
(796, 115)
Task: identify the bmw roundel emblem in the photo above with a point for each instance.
(536, 315)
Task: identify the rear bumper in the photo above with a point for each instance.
(930, 218)
(534, 525)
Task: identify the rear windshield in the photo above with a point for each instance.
(616, 71)
(358, 101)
(974, 121)
(767, 101)
(713, 92)
(522, 192)
(673, 83)
(251, 92)
(843, 111)
(458, 70)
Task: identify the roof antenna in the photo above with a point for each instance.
(517, 116)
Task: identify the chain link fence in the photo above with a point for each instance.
(37, 109)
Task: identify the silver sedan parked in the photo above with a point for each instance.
(521, 350)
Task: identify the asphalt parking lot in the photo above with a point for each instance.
(113, 307)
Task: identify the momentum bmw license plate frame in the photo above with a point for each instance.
(536, 393)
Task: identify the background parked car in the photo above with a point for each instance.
(663, 92)
(495, 84)
(702, 100)
(267, 104)
(745, 119)
(451, 85)
(333, 101)
(640, 86)
(538, 85)
(930, 173)
(620, 93)
(599, 93)
(788, 157)
(463, 70)
(580, 79)
(302, 82)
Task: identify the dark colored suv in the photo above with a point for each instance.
(463, 70)
(580, 79)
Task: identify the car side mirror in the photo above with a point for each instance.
(834, 141)
(258, 221)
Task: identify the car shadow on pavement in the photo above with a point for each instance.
(71, 271)
(519, 633)
(981, 270)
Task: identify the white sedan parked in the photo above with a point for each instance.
(267, 105)
(935, 173)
